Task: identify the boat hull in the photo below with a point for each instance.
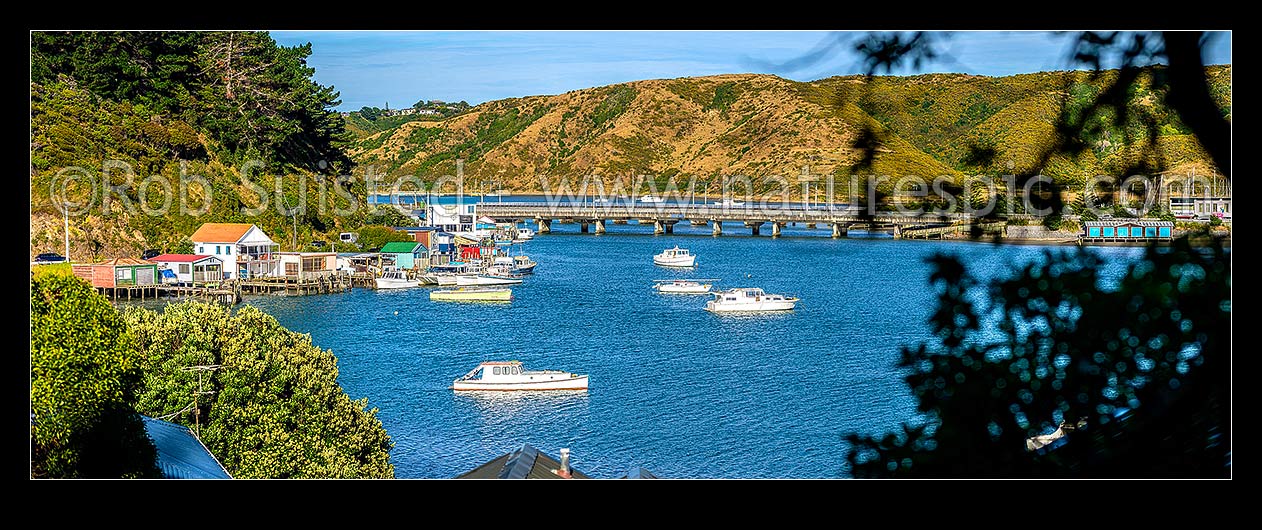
(389, 283)
(751, 307)
(484, 280)
(573, 383)
(677, 289)
(489, 295)
(689, 261)
(443, 280)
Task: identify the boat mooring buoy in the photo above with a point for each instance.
(396, 312)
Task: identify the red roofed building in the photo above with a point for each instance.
(246, 251)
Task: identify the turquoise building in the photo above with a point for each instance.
(1127, 230)
(407, 254)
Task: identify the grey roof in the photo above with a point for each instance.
(524, 463)
(639, 473)
(180, 453)
(1133, 222)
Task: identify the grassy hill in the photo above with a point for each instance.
(761, 125)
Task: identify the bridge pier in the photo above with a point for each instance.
(545, 226)
(839, 230)
(897, 234)
(582, 227)
(658, 228)
(775, 228)
(600, 226)
(718, 227)
(753, 226)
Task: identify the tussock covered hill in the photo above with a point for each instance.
(762, 125)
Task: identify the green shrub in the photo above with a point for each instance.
(85, 375)
(277, 410)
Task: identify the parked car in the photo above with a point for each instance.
(49, 257)
(151, 253)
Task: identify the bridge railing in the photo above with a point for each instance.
(707, 212)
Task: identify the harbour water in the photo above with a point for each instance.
(674, 389)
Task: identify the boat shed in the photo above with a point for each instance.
(191, 269)
(406, 253)
(306, 265)
(1127, 230)
(118, 272)
(180, 453)
(525, 463)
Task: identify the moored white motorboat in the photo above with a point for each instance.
(394, 278)
(684, 286)
(652, 199)
(675, 257)
(729, 203)
(524, 234)
(749, 299)
(522, 264)
(445, 275)
(510, 375)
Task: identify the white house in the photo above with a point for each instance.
(451, 213)
(245, 250)
(190, 269)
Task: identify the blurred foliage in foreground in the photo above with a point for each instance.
(85, 375)
(1138, 377)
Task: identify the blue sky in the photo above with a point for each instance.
(371, 68)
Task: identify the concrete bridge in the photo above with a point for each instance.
(664, 216)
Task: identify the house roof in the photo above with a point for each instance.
(221, 232)
(399, 247)
(180, 453)
(180, 258)
(639, 473)
(123, 261)
(523, 463)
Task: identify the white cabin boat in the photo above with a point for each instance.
(524, 234)
(522, 264)
(444, 275)
(684, 286)
(498, 375)
(729, 203)
(652, 199)
(749, 299)
(675, 257)
(395, 278)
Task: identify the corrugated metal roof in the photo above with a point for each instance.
(399, 247)
(524, 463)
(180, 453)
(123, 261)
(180, 258)
(221, 232)
(639, 473)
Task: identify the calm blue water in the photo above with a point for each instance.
(674, 389)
